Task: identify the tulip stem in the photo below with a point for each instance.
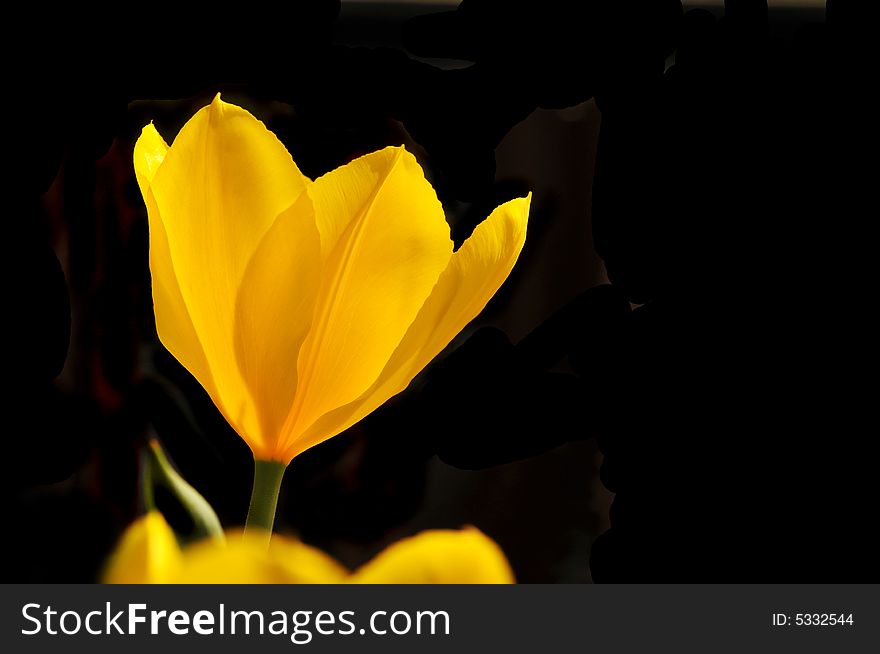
(264, 498)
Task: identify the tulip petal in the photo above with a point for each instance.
(173, 323)
(147, 553)
(474, 274)
(221, 186)
(386, 241)
(304, 564)
(245, 560)
(273, 316)
(149, 153)
(438, 557)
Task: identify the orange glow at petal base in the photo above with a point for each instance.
(301, 306)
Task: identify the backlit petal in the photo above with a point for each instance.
(386, 241)
(173, 323)
(147, 553)
(149, 153)
(439, 557)
(475, 272)
(221, 186)
(274, 312)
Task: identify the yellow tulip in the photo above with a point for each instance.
(146, 554)
(440, 556)
(301, 306)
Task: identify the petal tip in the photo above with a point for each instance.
(149, 130)
(218, 106)
(149, 153)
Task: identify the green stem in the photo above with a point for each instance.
(149, 495)
(264, 498)
(159, 472)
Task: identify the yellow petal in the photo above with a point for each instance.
(385, 241)
(474, 274)
(304, 564)
(173, 323)
(221, 186)
(245, 560)
(273, 315)
(439, 557)
(147, 553)
(149, 153)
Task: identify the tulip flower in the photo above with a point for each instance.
(148, 553)
(301, 306)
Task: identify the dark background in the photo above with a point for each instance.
(708, 161)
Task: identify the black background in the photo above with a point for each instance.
(723, 377)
